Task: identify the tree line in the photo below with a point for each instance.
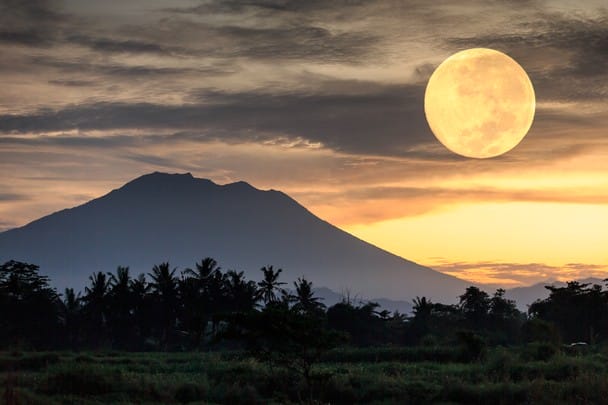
(205, 307)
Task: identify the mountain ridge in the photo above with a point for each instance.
(179, 218)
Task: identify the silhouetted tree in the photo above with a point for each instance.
(70, 317)
(241, 295)
(28, 306)
(164, 287)
(125, 313)
(96, 308)
(305, 300)
(505, 319)
(121, 309)
(204, 271)
(292, 337)
(421, 321)
(198, 303)
(269, 289)
(361, 323)
(580, 312)
(475, 306)
(144, 315)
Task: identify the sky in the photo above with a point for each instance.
(323, 100)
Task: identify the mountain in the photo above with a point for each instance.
(181, 219)
(524, 296)
(329, 298)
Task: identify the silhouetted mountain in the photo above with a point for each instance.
(178, 218)
(524, 296)
(330, 297)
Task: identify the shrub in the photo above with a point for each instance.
(538, 351)
(189, 392)
(538, 330)
(473, 347)
(242, 394)
(83, 381)
(499, 364)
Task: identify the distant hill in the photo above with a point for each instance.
(524, 296)
(181, 219)
(330, 298)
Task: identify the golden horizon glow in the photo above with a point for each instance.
(479, 103)
(552, 235)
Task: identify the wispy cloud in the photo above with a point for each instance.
(518, 274)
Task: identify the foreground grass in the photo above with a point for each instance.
(345, 376)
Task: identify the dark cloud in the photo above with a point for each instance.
(72, 83)
(7, 196)
(386, 120)
(311, 43)
(567, 56)
(275, 8)
(31, 22)
(86, 67)
(111, 45)
(347, 116)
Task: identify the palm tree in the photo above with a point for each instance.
(219, 300)
(121, 306)
(96, 305)
(305, 301)
(241, 294)
(165, 289)
(142, 309)
(204, 270)
(69, 313)
(270, 285)
(422, 308)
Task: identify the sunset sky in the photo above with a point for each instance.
(322, 100)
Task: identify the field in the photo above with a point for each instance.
(533, 374)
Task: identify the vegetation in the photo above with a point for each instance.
(342, 376)
(227, 339)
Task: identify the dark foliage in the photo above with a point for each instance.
(189, 310)
(29, 308)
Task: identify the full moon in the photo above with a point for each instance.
(479, 103)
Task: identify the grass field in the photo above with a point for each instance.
(530, 374)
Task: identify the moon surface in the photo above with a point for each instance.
(479, 103)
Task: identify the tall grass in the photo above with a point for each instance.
(383, 375)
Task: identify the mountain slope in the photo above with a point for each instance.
(177, 218)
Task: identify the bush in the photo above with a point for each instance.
(33, 362)
(83, 381)
(189, 392)
(473, 347)
(538, 351)
(499, 364)
(538, 330)
(242, 394)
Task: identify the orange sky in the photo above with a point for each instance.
(324, 101)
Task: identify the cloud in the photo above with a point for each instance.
(565, 55)
(110, 45)
(442, 195)
(345, 116)
(6, 225)
(508, 274)
(72, 83)
(121, 70)
(7, 196)
(384, 119)
(31, 23)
